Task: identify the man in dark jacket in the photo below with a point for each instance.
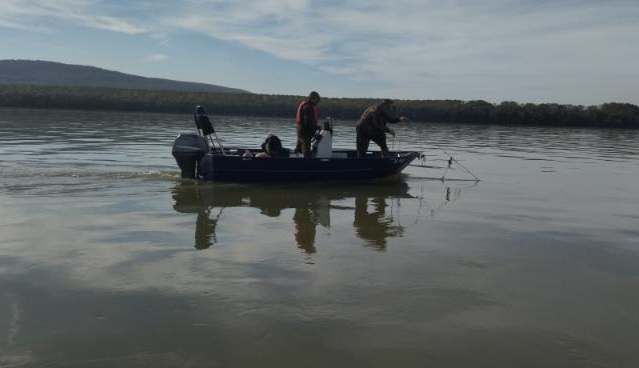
(306, 117)
(372, 127)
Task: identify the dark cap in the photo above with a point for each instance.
(313, 94)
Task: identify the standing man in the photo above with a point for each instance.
(372, 127)
(306, 118)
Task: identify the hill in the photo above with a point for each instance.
(48, 73)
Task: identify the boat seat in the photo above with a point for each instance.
(203, 122)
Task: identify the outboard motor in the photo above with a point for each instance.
(188, 149)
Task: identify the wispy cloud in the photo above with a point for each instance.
(411, 42)
(33, 14)
(156, 57)
(6, 23)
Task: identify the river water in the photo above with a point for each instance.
(108, 259)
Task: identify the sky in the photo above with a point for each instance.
(579, 52)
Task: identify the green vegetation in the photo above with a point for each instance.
(612, 115)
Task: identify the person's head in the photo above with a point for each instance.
(314, 98)
(387, 105)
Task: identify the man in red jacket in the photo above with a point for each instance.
(306, 117)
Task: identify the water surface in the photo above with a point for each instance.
(108, 259)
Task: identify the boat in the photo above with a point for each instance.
(201, 155)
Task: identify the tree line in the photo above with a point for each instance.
(610, 115)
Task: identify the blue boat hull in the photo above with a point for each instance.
(344, 166)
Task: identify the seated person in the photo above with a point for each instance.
(272, 147)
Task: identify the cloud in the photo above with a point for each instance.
(33, 14)
(156, 57)
(406, 38)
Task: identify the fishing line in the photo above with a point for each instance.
(451, 160)
(422, 200)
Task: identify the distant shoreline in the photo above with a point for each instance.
(607, 115)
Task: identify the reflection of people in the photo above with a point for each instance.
(306, 118)
(305, 222)
(311, 207)
(372, 127)
(204, 230)
(374, 227)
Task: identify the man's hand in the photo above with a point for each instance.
(403, 118)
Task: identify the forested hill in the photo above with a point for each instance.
(48, 73)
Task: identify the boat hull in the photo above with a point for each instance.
(344, 166)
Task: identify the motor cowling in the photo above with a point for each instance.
(188, 149)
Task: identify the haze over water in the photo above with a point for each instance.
(108, 259)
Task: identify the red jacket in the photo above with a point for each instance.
(307, 114)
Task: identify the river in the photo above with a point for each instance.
(108, 258)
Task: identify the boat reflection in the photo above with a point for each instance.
(371, 205)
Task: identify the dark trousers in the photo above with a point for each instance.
(304, 136)
(364, 136)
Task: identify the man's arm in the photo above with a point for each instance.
(389, 118)
(379, 120)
